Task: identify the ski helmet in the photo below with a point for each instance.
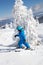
(19, 28)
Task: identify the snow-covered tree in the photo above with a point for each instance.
(32, 26)
(19, 13)
(24, 17)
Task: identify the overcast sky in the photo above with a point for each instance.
(7, 5)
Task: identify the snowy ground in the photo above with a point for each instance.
(25, 57)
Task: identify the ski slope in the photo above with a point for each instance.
(25, 57)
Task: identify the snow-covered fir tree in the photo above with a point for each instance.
(19, 13)
(24, 17)
(32, 26)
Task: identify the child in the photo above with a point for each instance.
(22, 37)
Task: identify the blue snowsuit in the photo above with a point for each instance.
(22, 40)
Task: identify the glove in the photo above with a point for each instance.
(15, 36)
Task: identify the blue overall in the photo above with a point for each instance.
(22, 37)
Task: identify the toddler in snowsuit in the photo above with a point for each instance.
(22, 37)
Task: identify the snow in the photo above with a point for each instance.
(40, 32)
(40, 29)
(6, 36)
(25, 57)
(8, 56)
(24, 17)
